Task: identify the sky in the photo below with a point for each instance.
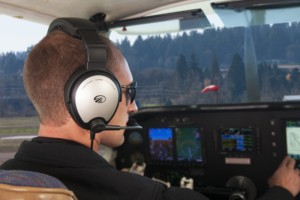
(17, 34)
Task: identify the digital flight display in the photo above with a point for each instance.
(161, 144)
(236, 139)
(293, 138)
(188, 144)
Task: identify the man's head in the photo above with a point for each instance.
(50, 64)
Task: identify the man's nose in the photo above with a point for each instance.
(132, 108)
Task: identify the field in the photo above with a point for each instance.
(16, 126)
(19, 125)
(289, 67)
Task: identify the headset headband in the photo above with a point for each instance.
(92, 93)
(95, 49)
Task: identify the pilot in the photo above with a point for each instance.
(62, 147)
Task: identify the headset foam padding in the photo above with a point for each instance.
(93, 94)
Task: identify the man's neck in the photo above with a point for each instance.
(70, 131)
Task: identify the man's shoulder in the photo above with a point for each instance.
(7, 165)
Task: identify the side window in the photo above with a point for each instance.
(18, 118)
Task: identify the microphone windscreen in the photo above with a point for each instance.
(132, 122)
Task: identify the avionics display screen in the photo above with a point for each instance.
(293, 138)
(161, 144)
(236, 139)
(188, 144)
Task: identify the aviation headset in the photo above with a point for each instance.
(92, 93)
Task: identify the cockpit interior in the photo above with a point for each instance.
(218, 87)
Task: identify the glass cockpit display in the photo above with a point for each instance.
(135, 138)
(237, 139)
(161, 144)
(188, 144)
(293, 138)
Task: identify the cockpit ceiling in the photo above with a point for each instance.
(44, 11)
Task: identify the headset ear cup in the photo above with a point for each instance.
(78, 72)
(113, 77)
(92, 94)
(68, 91)
(83, 91)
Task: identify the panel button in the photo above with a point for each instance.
(164, 119)
(274, 155)
(273, 122)
(273, 134)
(258, 144)
(257, 132)
(274, 144)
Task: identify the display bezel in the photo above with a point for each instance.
(285, 138)
(237, 153)
(175, 161)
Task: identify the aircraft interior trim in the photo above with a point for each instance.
(221, 169)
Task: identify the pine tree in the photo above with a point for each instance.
(193, 65)
(12, 64)
(169, 103)
(181, 67)
(138, 46)
(236, 78)
(277, 43)
(295, 77)
(127, 52)
(125, 43)
(215, 74)
(193, 62)
(206, 73)
(140, 65)
(147, 62)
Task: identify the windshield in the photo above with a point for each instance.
(206, 65)
(175, 69)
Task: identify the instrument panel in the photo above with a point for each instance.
(214, 143)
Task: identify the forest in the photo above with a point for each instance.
(174, 69)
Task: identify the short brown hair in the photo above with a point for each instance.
(48, 67)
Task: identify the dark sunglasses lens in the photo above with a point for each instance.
(132, 94)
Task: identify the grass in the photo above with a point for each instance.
(18, 130)
(150, 105)
(19, 125)
(19, 121)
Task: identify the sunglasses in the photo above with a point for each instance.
(131, 90)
